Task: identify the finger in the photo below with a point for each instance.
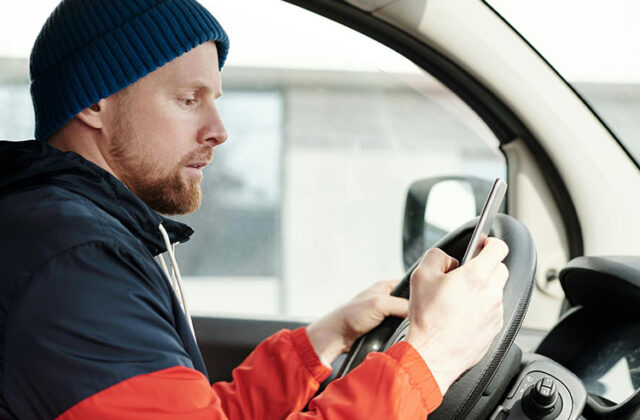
(495, 248)
(394, 306)
(382, 287)
(387, 286)
(438, 261)
(492, 254)
(500, 275)
(453, 264)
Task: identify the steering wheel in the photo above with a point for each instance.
(474, 394)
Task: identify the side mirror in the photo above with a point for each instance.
(434, 206)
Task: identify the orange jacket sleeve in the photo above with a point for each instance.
(276, 381)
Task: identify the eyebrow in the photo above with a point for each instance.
(200, 85)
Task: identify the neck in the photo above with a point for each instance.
(87, 144)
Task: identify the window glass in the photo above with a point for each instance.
(303, 205)
(16, 110)
(594, 46)
(242, 192)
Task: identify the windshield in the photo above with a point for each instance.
(595, 46)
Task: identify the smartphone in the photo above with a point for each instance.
(488, 214)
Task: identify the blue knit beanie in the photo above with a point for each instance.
(90, 49)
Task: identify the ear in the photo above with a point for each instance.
(94, 115)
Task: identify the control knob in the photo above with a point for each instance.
(540, 402)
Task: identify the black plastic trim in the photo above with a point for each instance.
(582, 328)
(498, 117)
(225, 342)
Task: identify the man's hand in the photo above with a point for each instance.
(455, 313)
(335, 333)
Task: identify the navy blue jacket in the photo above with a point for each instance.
(80, 291)
(91, 329)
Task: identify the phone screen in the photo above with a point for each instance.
(488, 214)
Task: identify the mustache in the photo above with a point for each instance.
(200, 155)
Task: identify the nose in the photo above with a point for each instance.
(213, 132)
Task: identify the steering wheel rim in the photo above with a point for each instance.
(461, 398)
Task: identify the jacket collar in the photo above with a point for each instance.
(31, 163)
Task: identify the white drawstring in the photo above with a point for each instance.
(172, 276)
(163, 265)
(175, 278)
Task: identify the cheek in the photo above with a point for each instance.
(164, 135)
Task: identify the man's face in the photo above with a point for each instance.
(163, 129)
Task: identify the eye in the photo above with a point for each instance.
(189, 101)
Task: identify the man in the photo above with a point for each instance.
(92, 326)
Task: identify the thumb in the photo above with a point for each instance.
(439, 261)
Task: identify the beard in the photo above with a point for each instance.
(169, 193)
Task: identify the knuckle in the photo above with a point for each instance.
(500, 276)
(497, 241)
(435, 251)
(496, 308)
(417, 274)
(380, 284)
(474, 274)
(504, 277)
(378, 302)
(503, 247)
(503, 269)
(494, 295)
(421, 272)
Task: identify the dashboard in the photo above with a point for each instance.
(609, 367)
(592, 355)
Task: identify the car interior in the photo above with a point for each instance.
(368, 172)
(585, 364)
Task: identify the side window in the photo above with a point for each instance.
(328, 129)
(303, 205)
